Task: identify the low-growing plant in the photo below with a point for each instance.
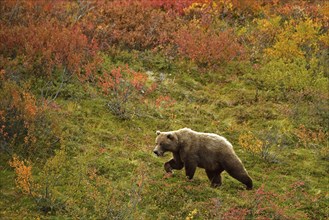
(291, 79)
(309, 138)
(192, 214)
(293, 203)
(235, 213)
(25, 125)
(23, 171)
(299, 38)
(207, 47)
(84, 189)
(135, 25)
(28, 185)
(266, 204)
(250, 143)
(40, 49)
(164, 102)
(260, 147)
(125, 88)
(324, 153)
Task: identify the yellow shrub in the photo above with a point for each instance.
(250, 143)
(297, 39)
(192, 214)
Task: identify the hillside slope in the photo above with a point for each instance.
(81, 101)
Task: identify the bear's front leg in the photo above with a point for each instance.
(190, 170)
(168, 168)
(173, 164)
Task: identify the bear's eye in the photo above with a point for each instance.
(163, 146)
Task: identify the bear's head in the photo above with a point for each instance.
(165, 141)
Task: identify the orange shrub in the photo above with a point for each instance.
(25, 127)
(164, 102)
(123, 86)
(18, 114)
(23, 171)
(307, 137)
(250, 143)
(171, 5)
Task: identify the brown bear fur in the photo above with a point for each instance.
(209, 151)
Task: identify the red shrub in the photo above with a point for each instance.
(236, 214)
(206, 47)
(27, 11)
(265, 204)
(129, 25)
(164, 102)
(171, 5)
(42, 48)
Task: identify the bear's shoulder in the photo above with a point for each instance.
(190, 136)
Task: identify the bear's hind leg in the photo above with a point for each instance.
(214, 177)
(242, 176)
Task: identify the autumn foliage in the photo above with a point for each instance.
(42, 49)
(122, 86)
(24, 122)
(23, 172)
(206, 47)
(129, 25)
(212, 64)
(50, 43)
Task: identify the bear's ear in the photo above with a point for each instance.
(170, 136)
(158, 132)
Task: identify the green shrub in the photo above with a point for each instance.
(284, 79)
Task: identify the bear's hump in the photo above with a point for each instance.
(212, 137)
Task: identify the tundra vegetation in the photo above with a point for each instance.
(84, 85)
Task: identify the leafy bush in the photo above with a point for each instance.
(259, 147)
(78, 188)
(25, 125)
(175, 6)
(206, 47)
(23, 171)
(50, 46)
(296, 40)
(130, 25)
(286, 79)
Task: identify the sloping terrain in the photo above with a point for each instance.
(78, 118)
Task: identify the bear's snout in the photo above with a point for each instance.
(156, 152)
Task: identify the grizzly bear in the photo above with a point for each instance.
(209, 151)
